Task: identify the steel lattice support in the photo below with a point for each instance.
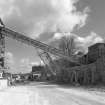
(47, 60)
(2, 51)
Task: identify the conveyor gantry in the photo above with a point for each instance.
(27, 40)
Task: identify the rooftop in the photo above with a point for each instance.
(96, 45)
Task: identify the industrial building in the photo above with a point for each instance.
(92, 68)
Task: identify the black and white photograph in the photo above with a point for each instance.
(52, 52)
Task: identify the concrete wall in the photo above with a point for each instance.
(100, 68)
(4, 83)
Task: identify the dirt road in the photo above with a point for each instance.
(48, 94)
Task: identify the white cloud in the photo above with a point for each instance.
(5, 7)
(37, 16)
(36, 63)
(60, 35)
(9, 59)
(10, 62)
(34, 17)
(82, 43)
(26, 64)
(24, 61)
(90, 39)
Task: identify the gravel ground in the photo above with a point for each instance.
(50, 94)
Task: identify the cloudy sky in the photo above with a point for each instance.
(47, 21)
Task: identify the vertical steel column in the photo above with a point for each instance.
(2, 50)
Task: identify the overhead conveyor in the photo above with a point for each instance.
(6, 32)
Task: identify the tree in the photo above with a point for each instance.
(67, 45)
